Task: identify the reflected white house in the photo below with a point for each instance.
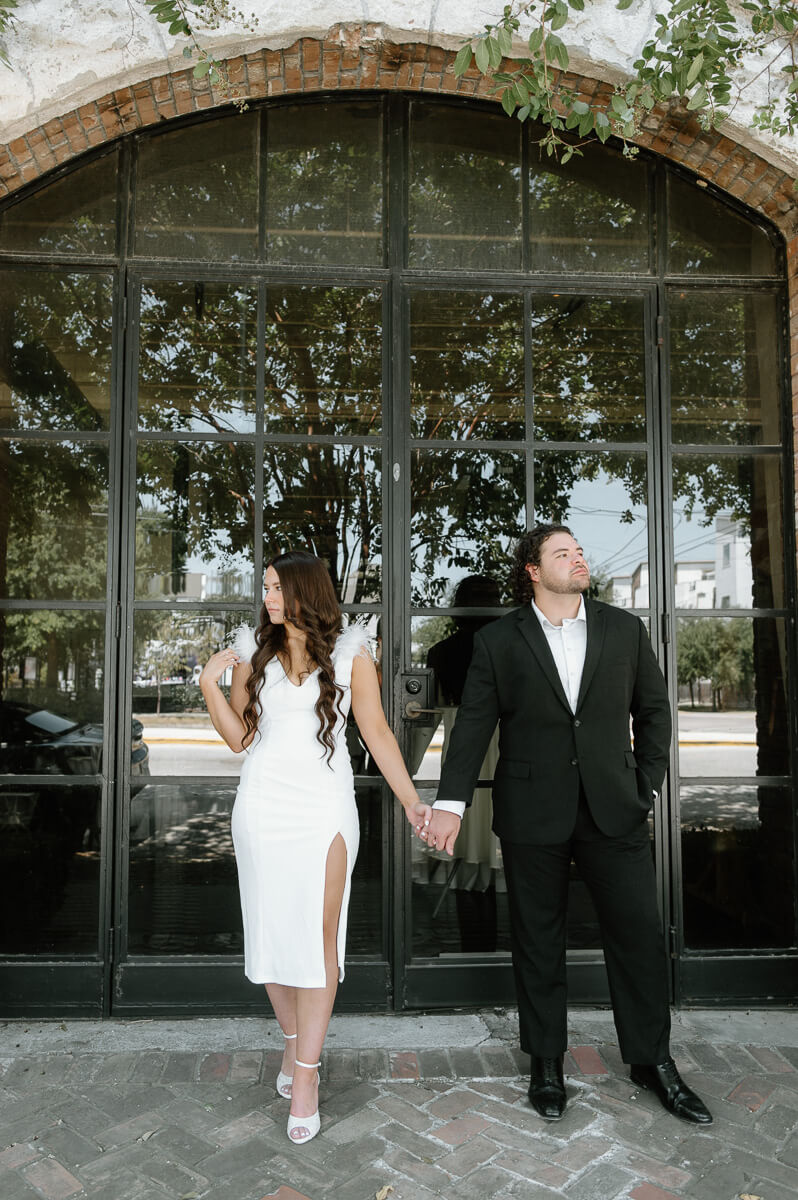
(724, 580)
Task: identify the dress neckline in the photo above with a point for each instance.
(288, 678)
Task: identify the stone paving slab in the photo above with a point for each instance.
(148, 1121)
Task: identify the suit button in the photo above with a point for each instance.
(574, 762)
(577, 723)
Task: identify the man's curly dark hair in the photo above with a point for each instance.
(527, 551)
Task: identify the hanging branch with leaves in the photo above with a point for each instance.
(7, 21)
(695, 48)
(184, 19)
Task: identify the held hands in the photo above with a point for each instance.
(419, 815)
(216, 666)
(442, 831)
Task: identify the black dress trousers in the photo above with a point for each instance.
(619, 874)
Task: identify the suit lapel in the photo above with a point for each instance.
(595, 641)
(535, 638)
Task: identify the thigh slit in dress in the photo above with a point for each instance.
(291, 804)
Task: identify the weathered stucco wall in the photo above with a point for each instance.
(67, 53)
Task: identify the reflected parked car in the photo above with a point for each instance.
(34, 741)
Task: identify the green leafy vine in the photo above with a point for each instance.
(7, 21)
(691, 56)
(185, 19)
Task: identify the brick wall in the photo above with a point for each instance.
(359, 59)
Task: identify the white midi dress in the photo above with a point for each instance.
(289, 807)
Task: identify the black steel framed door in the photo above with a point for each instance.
(535, 406)
(223, 369)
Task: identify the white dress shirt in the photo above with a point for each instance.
(568, 643)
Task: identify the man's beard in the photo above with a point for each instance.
(570, 587)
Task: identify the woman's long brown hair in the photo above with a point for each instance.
(312, 606)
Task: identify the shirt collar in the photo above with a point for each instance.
(546, 623)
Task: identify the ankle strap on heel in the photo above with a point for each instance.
(310, 1066)
(289, 1037)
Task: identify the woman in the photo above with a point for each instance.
(295, 824)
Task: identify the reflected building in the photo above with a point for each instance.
(725, 581)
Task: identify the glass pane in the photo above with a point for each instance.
(183, 887)
(727, 532)
(603, 499)
(197, 356)
(75, 214)
(197, 191)
(195, 520)
(54, 536)
(738, 866)
(323, 360)
(589, 369)
(466, 365)
(182, 882)
(590, 214)
(725, 368)
(324, 184)
(49, 869)
(51, 712)
(732, 698)
(365, 917)
(467, 514)
(460, 903)
(465, 189)
(169, 651)
(55, 350)
(327, 499)
(706, 237)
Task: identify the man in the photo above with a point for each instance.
(561, 675)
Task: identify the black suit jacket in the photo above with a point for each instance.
(545, 750)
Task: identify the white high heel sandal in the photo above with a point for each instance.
(284, 1081)
(311, 1124)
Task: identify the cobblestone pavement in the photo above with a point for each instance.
(147, 1121)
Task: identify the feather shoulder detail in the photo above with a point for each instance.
(353, 641)
(243, 642)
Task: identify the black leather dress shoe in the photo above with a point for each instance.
(547, 1089)
(666, 1083)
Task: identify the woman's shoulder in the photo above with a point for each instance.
(243, 641)
(350, 642)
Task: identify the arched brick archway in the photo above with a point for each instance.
(359, 58)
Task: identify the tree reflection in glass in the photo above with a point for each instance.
(707, 237)
(327, 499)
(55, 350)
(324, 184)
(590, 214)
(52, 660)
(467, 513)
(603, 499)
(725, 373)
(74, 215)
(53, 519)
(588, 362)
(197, 357)
(197, 191)
(464, 190)
(467, 365)
(323, 360)
(195, 520)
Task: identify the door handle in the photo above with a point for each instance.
(413, 710)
